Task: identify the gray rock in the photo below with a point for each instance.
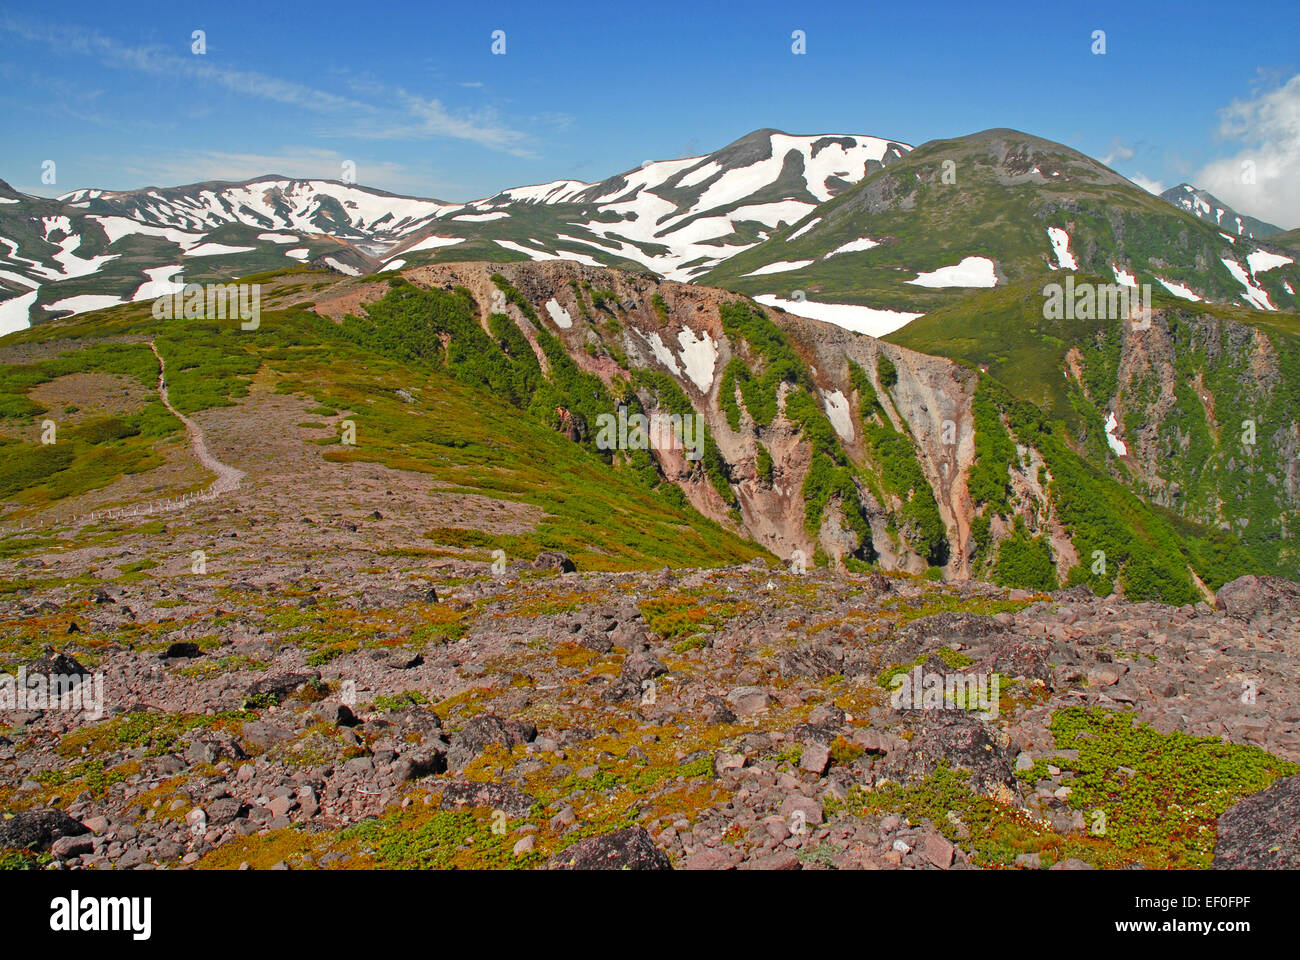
(1261, 832)
(37, 829)
(493, 796)
(469, 742)
(628, 849)
(747, 701)
(1249, 596)
(554, 560)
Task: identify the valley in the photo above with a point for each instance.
(433, 600)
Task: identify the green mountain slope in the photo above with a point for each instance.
(994, 195)
(417, 418)
(1184, 393)
(491, 381)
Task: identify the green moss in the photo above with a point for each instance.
(410, 698)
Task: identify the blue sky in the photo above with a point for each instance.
(412, 94)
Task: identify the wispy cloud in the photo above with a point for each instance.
(422, 118)
(1117, 151)
(413, 117)
(196, 166)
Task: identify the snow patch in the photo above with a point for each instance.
(1123, 277)
(1178, 290)
(971, 272)
(482, 217)
(75, 266)
(85, 303)
(699, 357)
(432, 243)
(1061, 248)
(1254, 295)
(543, 255)
(115, 228)
(868, 320)
(559, 315)
(779, 267)
(19, 279)
(1262, 260)
(837, 409)
(279, 237)
(215, 250)
(1116, 444)
(853, 246)
(14, 313)
(661, 351)
(804, 229)
(341, 267)
(159, 283)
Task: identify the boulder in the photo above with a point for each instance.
(37, 829)
(554, 560)
(469, 742)
(1261, 832)
(628, 849)
(1250, 596)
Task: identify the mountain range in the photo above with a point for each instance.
(987, 438)
(405, 570)
(860, 231)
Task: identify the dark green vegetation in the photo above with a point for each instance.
(1147, 797)
(89, 453)
(468, 436)
(899, 467)
(1203, 372)
(831, 476)
(1114, 533)
(1160, 794)
(1024, 561)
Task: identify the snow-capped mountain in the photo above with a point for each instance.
(96, 249)
(907, 240)
(865, 229)
(1206, 206)
(269, 203)
(679, 218)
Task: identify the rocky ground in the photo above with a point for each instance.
(432, 711)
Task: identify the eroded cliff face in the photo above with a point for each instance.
(1205, 424)
(613, 324)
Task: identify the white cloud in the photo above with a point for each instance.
(1267, 129)
(1150, 186)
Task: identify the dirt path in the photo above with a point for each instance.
(227, 476)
